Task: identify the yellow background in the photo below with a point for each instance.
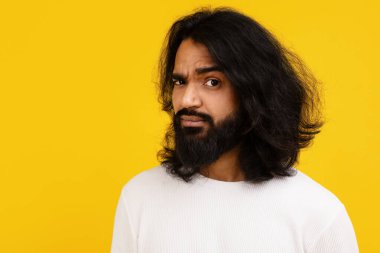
(79, 116)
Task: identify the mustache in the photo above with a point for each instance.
(188, 112)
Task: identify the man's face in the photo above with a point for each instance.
(201, 87)
(207, 119)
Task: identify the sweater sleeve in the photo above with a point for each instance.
(338, 237)
(123, 239)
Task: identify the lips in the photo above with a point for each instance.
(191, 118)
(192, 121)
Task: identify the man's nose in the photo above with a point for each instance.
(191, 97)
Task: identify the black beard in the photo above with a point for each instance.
(197, 147)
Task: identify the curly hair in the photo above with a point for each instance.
(277, 93)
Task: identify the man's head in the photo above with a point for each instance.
(206, 121)
(200, 85)
(225, 80)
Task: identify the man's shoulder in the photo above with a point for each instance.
(307, 188)
(307, 199)
(148, 175)
(145, 180)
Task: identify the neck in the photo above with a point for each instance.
(226, 168)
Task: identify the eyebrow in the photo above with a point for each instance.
(199, 71)
(208, 69)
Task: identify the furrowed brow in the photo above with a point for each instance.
(208, 69)
(199, 71)
(178, 76)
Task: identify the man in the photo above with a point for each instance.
(242, 107)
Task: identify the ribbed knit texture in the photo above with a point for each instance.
(158, 213)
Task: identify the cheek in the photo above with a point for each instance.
(175, 99)
(221, 106)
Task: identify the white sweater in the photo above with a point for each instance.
(158, 213)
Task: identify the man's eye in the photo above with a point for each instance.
(212, 82)
(178, 81)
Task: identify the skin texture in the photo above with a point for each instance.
(209, 92)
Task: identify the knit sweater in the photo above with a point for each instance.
(158, 212)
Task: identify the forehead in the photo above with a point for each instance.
(191, 55)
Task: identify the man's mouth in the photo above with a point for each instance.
(192, 121)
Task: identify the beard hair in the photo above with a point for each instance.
(198, 147)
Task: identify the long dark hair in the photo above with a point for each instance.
(277, 93)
